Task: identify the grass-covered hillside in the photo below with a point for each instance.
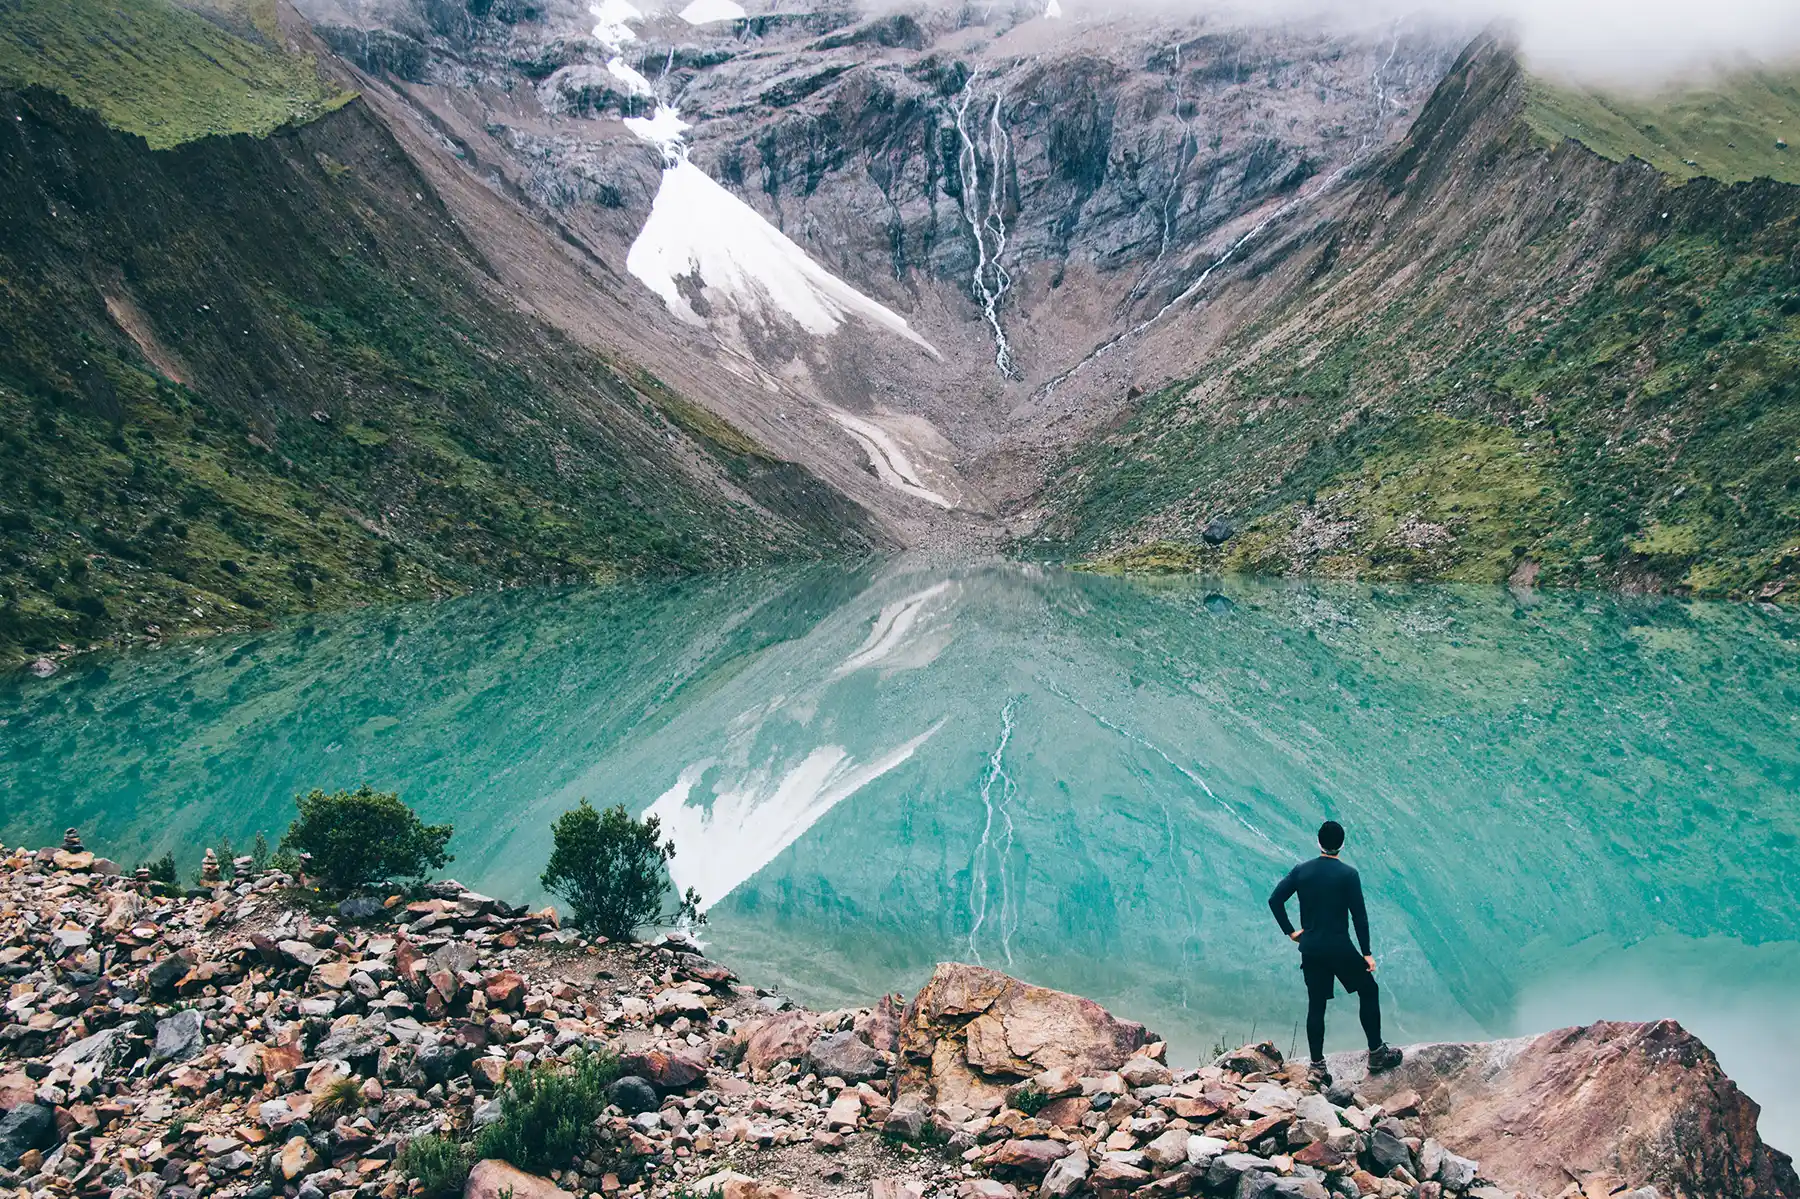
(260, 374)
(1512, 361)
(166, 73)
(1732, 128)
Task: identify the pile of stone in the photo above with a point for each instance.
(245, 1039)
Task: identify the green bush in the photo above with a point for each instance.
(440, 1165)
(613, 871)
(1030, 1099)
(162, 870)
(363, 837)
(546, 1111)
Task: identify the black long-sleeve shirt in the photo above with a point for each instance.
(1330, 896)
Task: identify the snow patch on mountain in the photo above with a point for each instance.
(633, 79)
(891, 463)
(698, 228)
(705, 12)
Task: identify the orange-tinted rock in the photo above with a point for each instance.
(783, 1037)
(1644, 1104)
(492, 1179)
(972, 1032)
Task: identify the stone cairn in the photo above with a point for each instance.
(72, 842)
(209, 870)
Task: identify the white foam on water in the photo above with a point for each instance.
(721, 845)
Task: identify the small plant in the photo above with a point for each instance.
(162, 870)
(1030, 1099)
(546, 1111)
(440, 1165)
(363, 837)
(613, 871)
(339, 1099)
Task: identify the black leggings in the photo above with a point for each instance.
(1356, 978)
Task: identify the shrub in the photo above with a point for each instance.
(613, 871)
(546, 1111)
(440, 1165)
(162, 870)
(363, 837)
(1030, 1099)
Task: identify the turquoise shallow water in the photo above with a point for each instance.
(1565, 807)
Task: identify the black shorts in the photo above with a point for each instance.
(1320, 969)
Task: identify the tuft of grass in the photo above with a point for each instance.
(1726, 128)
(340, 1099)
(439, 1165)
(163, 72)
(546, 1112)
(1030, 1099)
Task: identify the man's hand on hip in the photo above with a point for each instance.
(1295, 935)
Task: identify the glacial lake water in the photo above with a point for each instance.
(1565, 807)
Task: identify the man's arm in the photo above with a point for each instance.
(1278, 903)
(1359, 914)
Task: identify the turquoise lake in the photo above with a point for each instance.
(1565, 807)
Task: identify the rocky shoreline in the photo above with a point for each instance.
(246, 1040)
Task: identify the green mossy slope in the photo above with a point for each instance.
(1508, 363)
(163, 72)
(1731, 128)
(250, 376)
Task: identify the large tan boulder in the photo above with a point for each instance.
(972, 1032)
(1612, 1105)
(783, 1037)
(495, 1179)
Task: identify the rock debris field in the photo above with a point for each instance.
(248, 1039)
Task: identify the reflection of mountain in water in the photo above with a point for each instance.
(1090, 782)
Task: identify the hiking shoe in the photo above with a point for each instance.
(1318, 1075)
(1383, 1059)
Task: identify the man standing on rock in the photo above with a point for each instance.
(1330, 897)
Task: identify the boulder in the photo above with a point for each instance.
(493, 1179)
(666, 1070)
(632, 1095)
(880, 1025)
(1065, 1176)
(784, 1037)
(505, 990)
(845, 1055)
(26, 1127)
(103, 1050)
(1387, 1151)
(179, 1037)
(971, 1033)
(1145, 1072)
(1031, 1156)
(1641, 1104)
(1168, 1149)
(296, 1160)
(361, 907)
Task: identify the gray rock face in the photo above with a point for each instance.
(845, 1055)
(26, 1127)
(1387, 1151)
(102, 1050)
(1065, 1176)
(1457, 1173)
(179, 1037)
(361, 907)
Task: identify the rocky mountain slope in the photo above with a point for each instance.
(251, 375)
(1502, 359)
(496, 291)
(1020, 189)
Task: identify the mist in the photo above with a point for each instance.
(1639, 44)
